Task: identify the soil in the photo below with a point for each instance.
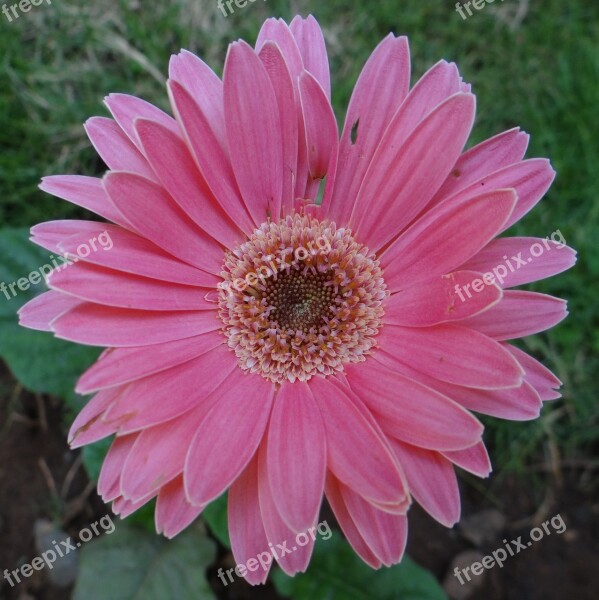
(40, 478)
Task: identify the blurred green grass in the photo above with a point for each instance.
(538, 69)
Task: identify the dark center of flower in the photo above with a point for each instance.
(301, 297)
(300, 301)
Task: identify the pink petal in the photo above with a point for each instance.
(98, 325)
(530, 179)
(381, 88)
(114, 288)
(292, 556)
(88, 426)
(245, 409)
(87, 192)
(155, 215)
(131, 253)
(204, 86)
(520, 403)
(173, 512)
(212, 160)
(438, 84)
(399, 508)
(39, 312)
(429, 247)
(253, 132)
(483, 159)
(385, 534)
(530, 187)
(283, 86)
(511, 263)
(454, 354)
(475, 459)
(169, 394)
(322, 138)
(358, 455)
(412, 412)
(401, 504)
(432, 482)
(176, 169)
(248, 539)
(115, 148)
(312, 47)
(346, 522)
(276, 33)
(124, 507)
(403, 177)
(125, 109)
(516, 404)
(539, 376)
(519, 314)
(158, 454)
(49, 234)
(109, 482)
(143, 361)
(436, 300)
(296, 430)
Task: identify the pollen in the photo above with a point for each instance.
(301, 298)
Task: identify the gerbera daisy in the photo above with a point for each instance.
(283, 308)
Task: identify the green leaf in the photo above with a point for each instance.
(39, 361)
(215, 515)
(144, 517)
(133, 564)
(337, 573)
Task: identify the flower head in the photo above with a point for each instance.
(283, 348)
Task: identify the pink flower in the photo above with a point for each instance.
(279, 348)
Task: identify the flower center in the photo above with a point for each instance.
(300, 301)
(301, 297)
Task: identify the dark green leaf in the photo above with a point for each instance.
(133, 564)
(337, 573)
(215, 514)
(39, 361)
